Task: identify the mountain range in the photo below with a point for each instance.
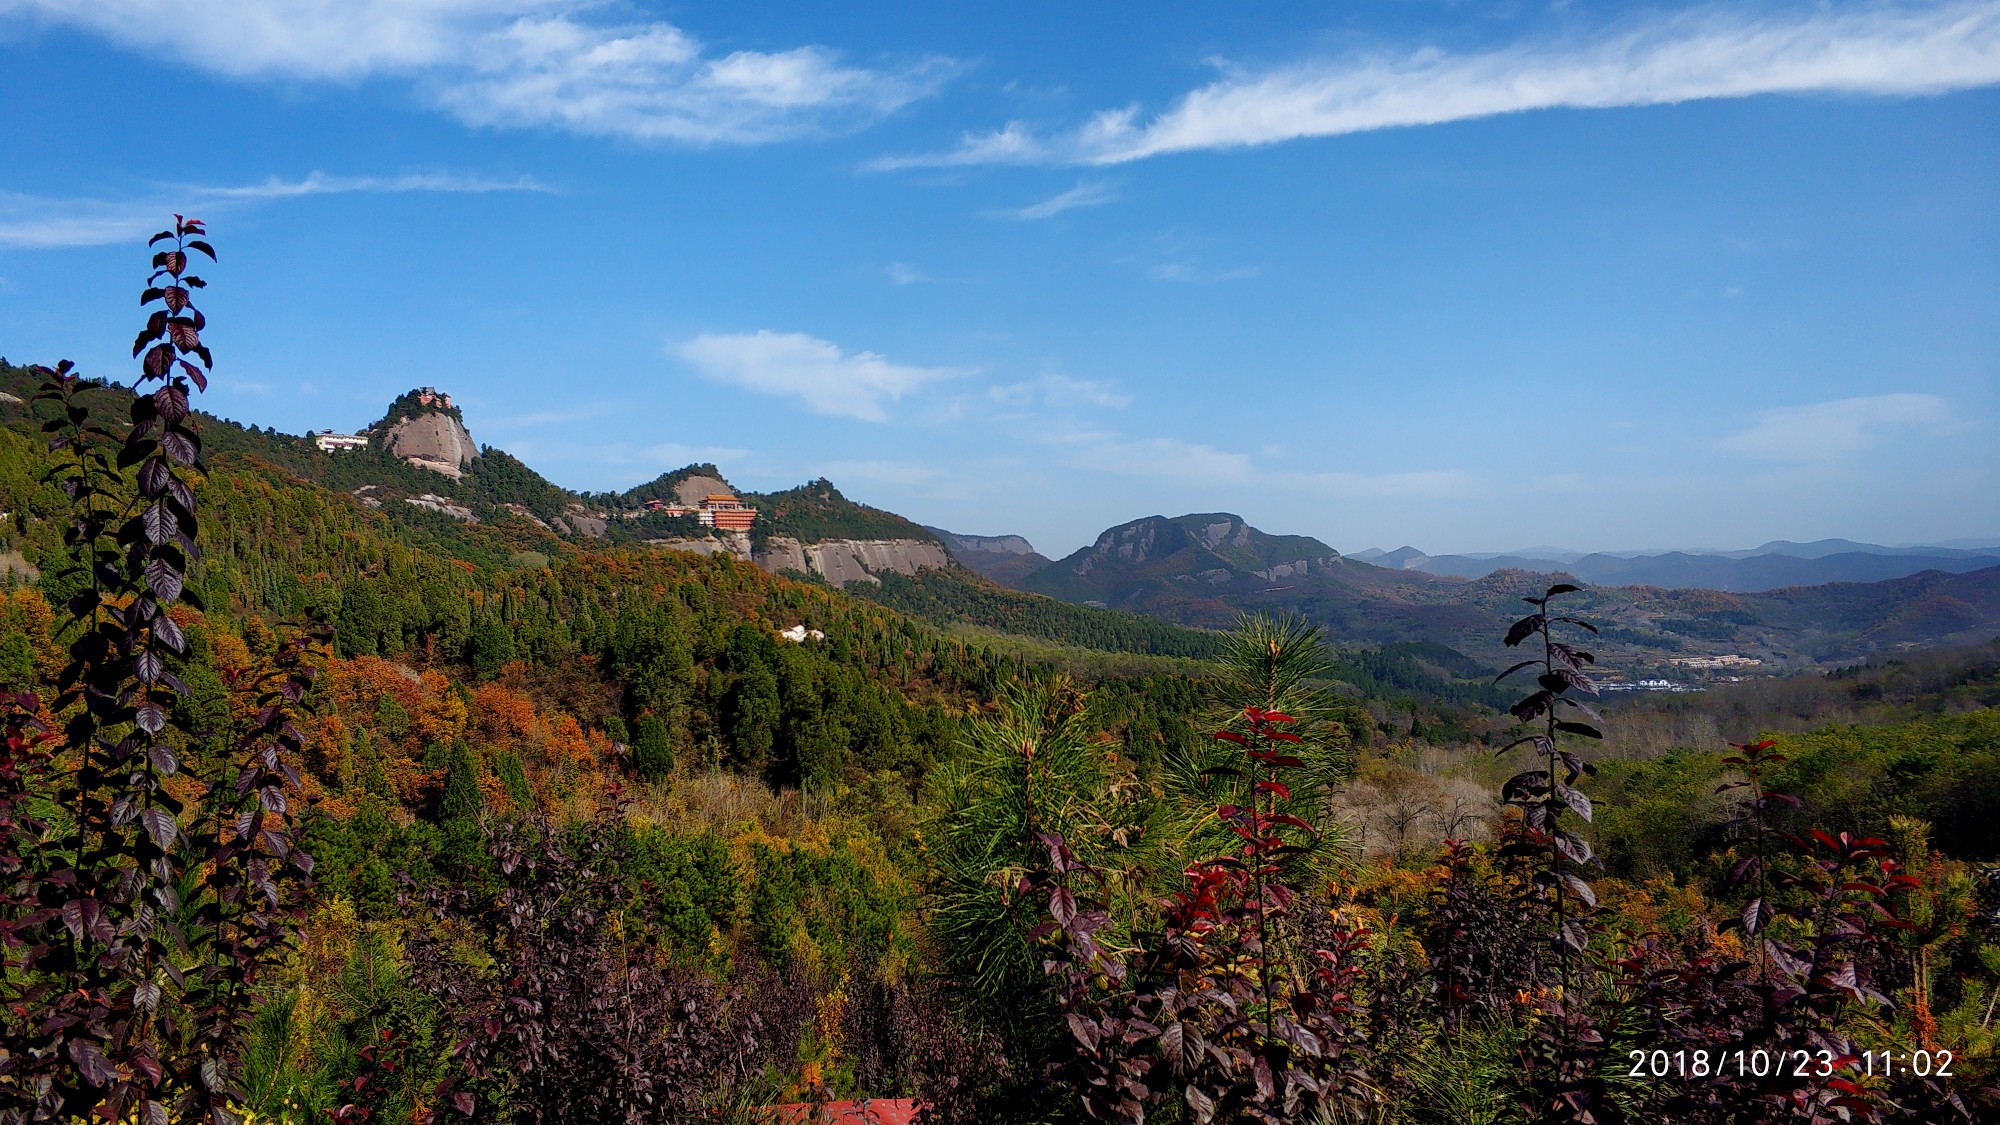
(1781, 605)
(1202, 570)
(1770, 567)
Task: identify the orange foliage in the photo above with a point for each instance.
(441, 713)
(25, 611)
(501, 717)
(558, 755)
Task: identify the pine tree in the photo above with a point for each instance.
(652, 748)
(17, 662)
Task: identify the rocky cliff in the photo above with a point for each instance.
(435, 441)
(1006, 559)
(691, 491)
(839, 561)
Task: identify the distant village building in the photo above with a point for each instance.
(1730, 661)
(720, 511)
(330, 442)
(431, 396)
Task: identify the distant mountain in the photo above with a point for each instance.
(1197, 554)
(1773, 566)
(1006, 559)
(1204, 570)
(1822, 548)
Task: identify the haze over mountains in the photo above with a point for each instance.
(1772, 566)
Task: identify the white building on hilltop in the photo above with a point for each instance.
(330, 442)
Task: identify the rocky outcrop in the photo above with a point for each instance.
(443, 505)
(841, 561)
(523, 511)
(735, 544)
(1295, 568)
(693, 490)
(15, 565)
(782, 553)
(579, 520)
(1006, 559)
(435, 441)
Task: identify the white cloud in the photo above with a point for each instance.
(1090, 193)
(1716, 52)
(1197, 465)
(319, 183)
(814, 371)
(515, 63)
(36, 222)
(902, 273)
(1828, 430)
(1058, 392)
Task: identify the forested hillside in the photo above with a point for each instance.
(318, 809)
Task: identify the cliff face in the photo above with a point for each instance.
(1006, 559)
(839, 561)
(438, 442)
(694, 490)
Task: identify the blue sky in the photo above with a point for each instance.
(1468, 276)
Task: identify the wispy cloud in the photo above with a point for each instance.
(1058, 392)
(814, 371)
(1193, 274)
(1090, 193)
(1715, 52)
(902, 273)
(37, 222)
(517, 63)
(1828, 430)
(1200, 466)
(319, 183)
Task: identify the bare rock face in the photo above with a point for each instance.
(694, 490)
(522, 511)
(841, 561)
(435, 441)
(443, 505)
(735, 544)
(580, 520)
(1006, 559)
(15, 564)
(782, 552)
